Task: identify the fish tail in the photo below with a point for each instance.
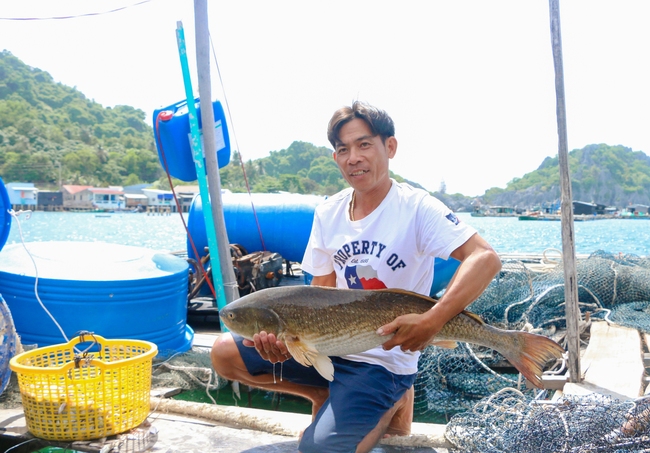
(534, 352)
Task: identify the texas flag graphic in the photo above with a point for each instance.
(362, 277)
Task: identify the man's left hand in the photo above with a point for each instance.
(413, 332)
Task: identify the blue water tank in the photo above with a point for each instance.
(285, 221)
(5, 217)
(116, 291)
(173, 139)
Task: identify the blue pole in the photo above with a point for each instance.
(197, 152)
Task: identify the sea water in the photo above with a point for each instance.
(167, 232)
(157, 232)
(511, 235)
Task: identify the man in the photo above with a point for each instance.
(376, 234)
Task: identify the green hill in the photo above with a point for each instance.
(603, 174)
(50, 133)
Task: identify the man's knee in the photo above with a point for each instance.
(311, 443)
(224, 351)
(323, 435)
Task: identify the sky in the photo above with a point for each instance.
(470, 84)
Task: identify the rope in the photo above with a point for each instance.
(241, 160)
(179, 209)
(22, 240)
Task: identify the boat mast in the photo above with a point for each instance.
(202, 35)
(568, 240)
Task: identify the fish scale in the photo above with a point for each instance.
(318, 322)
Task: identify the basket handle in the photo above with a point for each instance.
(82, 357)
(83, 338)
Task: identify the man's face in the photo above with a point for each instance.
(363, 158)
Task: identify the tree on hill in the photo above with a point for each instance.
(49, 131)
(603, 174)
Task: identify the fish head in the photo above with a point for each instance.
(249, 320)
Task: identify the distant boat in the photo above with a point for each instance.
(539, 216)
(557, 217)
(495, 211)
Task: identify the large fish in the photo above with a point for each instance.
(317, 322)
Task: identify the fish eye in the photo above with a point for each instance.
(231, 315)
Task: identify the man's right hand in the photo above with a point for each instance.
(269, 347)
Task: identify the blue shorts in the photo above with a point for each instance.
(360, 395)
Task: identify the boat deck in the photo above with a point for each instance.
(191, 427)
(613, 364)
(188, 433)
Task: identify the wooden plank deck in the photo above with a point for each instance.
(612, 364)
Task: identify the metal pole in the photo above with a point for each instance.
(197, 153)
(210, 148)
(568, 240)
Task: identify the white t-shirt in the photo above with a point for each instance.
(394, 247)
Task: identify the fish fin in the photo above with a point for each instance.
(308, 356)
(474, 317)
(534, 352)
(324, 366)
(447, 344)
(408, 293)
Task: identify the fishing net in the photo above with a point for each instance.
(511, 422)
(191, 370)
(492, 409)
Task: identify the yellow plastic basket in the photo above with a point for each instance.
(71, 396)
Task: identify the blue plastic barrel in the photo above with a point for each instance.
(284, 219)
(172, 134)
(116, 291)
(5, 217)
(443, 271)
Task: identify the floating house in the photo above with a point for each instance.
(640, 210)
(107, 199)
(583, 208)
(22, 194)
(134, 197)
(77, 197)
(160, 200)
(48, 200)
(185, 195)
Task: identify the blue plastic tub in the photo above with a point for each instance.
(174, 140)
(113, 290)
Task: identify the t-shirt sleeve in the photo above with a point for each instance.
(440, 230)
(317, 261)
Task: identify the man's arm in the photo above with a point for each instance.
(325, 280)
(479, 264)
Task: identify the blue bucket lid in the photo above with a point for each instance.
(5, 217)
